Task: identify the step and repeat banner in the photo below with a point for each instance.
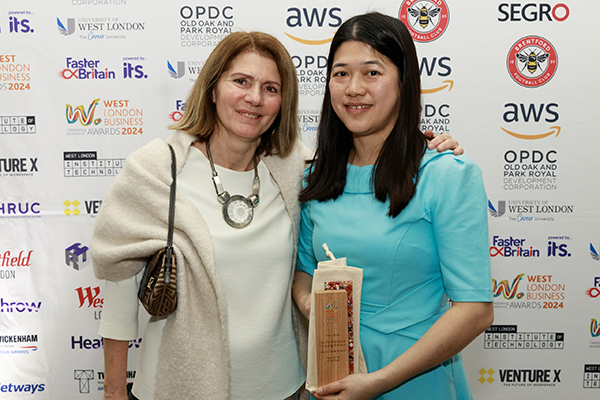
(83, 83)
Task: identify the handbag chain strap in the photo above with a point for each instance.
(169, 251)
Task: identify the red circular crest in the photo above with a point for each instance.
(426, 20)
(532, 61)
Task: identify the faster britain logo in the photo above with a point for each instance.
(84, 69)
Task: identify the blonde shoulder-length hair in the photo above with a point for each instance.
(200, 116)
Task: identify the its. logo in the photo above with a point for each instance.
(508, 291)
(84, 376)
(75, 211)
(594, 253)
(532, 61)
(501, 208)
(179, 73)
(66, 30)
(487, 375)
(84, 117)
(426, 20)
(594, 328)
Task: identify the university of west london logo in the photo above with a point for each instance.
(426, 20)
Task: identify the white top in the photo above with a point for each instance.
(255, 268)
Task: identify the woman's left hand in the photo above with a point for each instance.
(443, 142)
(352, 387)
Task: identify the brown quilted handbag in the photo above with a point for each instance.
(158, 288)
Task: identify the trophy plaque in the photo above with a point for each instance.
(331, 317)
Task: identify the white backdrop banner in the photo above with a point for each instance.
(83, 83)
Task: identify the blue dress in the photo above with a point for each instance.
(435, 250)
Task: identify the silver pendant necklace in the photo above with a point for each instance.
(238, 210)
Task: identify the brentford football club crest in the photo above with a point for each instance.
(426, 20)
(532, 61)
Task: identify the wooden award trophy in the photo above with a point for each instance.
(331, 317)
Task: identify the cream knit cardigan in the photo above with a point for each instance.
(132, 224)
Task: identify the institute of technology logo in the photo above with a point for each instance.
(426, 20)
(532, 61)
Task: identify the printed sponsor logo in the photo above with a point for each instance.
(18, 167)
(591, 376)
(527, 115)
(132, 69)
(86, 376)
(431, 69)
(530, 170)
(89, 298)
(76, 256)
(18, 344)
(436, 118)
(84, 69)
(530, 211)
(205, 26)
(511, 247)
(11, 262)
(81, 343)
(533, 12)
(19, 22)
(98, 28)
(594, 291)
(30, 388)
(532, 61)
(15, 75)
(594, 253)
(426, 20)
(8, 306)
(507, 337)
(538, 292)
(521, 377)
(176, 115)
(179, 69)
(310, 23)
(120, 118)
(20, 210)
(309, 121)
(16, 124)
(87, 164)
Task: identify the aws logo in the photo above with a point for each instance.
(532, 61)
(532, 113)
(426, 20)
(508, 290)
(439, 66)
(310, 19)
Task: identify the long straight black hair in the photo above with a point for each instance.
(397, 167)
